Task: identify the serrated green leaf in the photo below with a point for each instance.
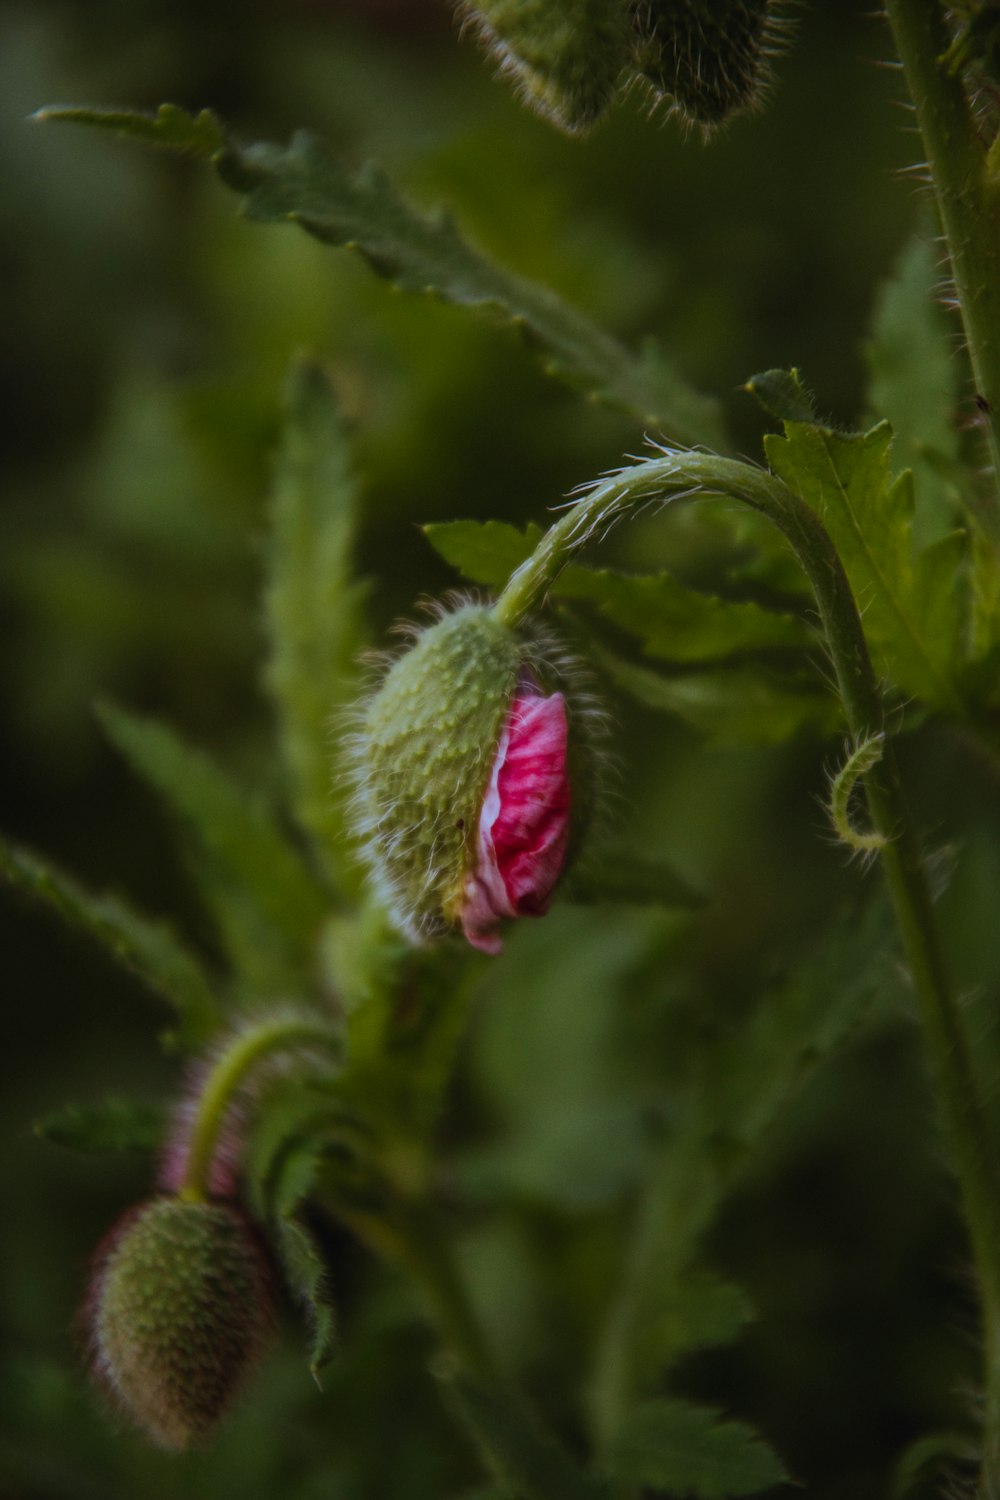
(314, 609)
(941, 598)
(914, 386)
(686, 1450)
(620, 876)
(731, 706)
(114, 1125)
(680, 624)
(782, 394)
(749, 1078)
(308, 1279)
(425, 253)
(520, 1455)
(485, 552)
(673, 622)
(149, 949)
(196, 135)
(282, 1160)
(846, 480)
(935, 1453)
(694, 1310)
(268, 904)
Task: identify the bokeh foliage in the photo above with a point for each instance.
(150, 334)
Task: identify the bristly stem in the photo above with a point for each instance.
(677, 474)
(968, 196)
(230, 1072)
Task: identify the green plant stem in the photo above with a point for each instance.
(429, 1260)
(227, 1076)
(509, 1434)
(968, 196)
(679, 474)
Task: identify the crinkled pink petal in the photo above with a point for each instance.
(524, 822)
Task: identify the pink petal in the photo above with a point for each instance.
(524, 822)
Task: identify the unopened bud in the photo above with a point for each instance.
(709, 57)
(475, 777)
(565, 56)
(180, 1310)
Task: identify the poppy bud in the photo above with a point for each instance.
(708, 56)
(475, 775)
(180, 1310)
(566, 56)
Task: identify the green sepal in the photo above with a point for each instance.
(426, 748)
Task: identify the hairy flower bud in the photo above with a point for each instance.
(475, 777)
(179, 1311)
(566, 56)
(708, 56)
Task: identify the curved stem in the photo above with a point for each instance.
(678, 474)
(968, 196)
(227, 1076)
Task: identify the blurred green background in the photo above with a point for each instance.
(147, 331)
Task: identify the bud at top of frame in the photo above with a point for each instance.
(179, 1310)
(566, 56)
(465, 763)
(708, 56)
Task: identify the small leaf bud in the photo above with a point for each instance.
(475, 775)
(180, 1309)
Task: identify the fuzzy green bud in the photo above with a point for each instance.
(465, 760)
(709, 57)
(180, 1310)
(566, 57)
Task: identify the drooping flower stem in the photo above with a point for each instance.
(679, 474)
(250, 1048)
(967, 188)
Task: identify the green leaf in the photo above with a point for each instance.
(782, 394)
(677, 623)
(984, 571)
(748, 1078)
(148, 949)
(485, 552)
(314, 608)
(621, 876)
(308, 1278)
(195, 135)
(914, 386)
(673, 622)
(282, 1160)
(519, 1454)
(731, 706)
(846, 480)
(268, 905)
(933, 1455)
(697, 1309)
(941, 598)
(571, 1124)
(675, 1447)
(425, 253)
(114, 1125)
